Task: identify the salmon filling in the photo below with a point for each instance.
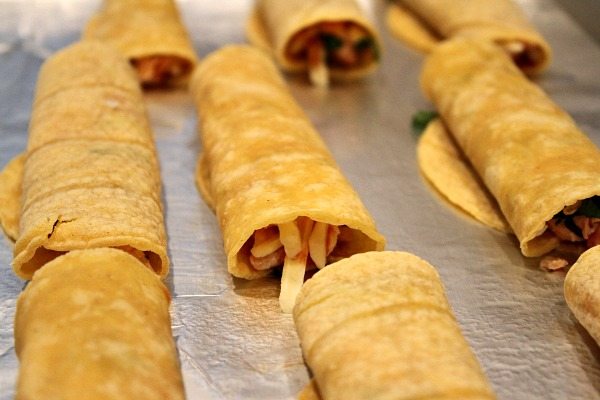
(160, 70)
(332, 45)
(577, 224)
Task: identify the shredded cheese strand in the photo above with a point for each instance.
(289, 235)
(318, 72)
(292, 279)
(292, 276)
(266, 248)
(317, 244)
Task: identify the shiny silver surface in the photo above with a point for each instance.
(233, 342)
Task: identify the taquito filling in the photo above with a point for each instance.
(577, 224)
(160, 70)
(526, 56)
(335, 45)
(297, 246)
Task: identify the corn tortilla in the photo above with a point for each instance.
(144, 29)
(93, 112)
(10, 196)
(528, 152)
(582, 291)
(95, 324)
(263, 163)
(273, 23)
(310, 391)
(451, 175)
(410, 30)
(378, 325)
(499, 21)
(91, 175)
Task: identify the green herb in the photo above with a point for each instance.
(331, 42)
(367, 44)
(421, 119)
(590, 207)
(364, 44)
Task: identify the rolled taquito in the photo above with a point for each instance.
(378, 326)
(582, 291)
(326, 38)
(541, 169)
(90, 176)
(277, 192)
(94, 324)
(499, 21)
(150, 34)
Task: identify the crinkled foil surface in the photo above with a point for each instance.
(233, 341)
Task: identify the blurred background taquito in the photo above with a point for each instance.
(423, 24)
(278, 194)
(151, 34)
(328, 39)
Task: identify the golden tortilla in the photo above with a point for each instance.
(410, 30)
(10, 196)
(528, 152)
(263, 163)
(143, 29)
(582, 291)
(451, 175)
(310, 391)
(499, 21)
(273, 23)
(91, 175)
(100, 65)
(378, 325)
(95, 324)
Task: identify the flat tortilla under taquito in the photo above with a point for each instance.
(94, 324)
(11, 178)
(287, 30)
(378, 325)
(582, 291)
(150, 34)
(442, 164)
(422, 24)
(528, 152)
(264, 165)
(91, 175)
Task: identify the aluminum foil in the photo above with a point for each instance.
(233, 341)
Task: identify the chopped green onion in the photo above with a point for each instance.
(590, 207)
(364, 44)
(331, 42)
(421, 119)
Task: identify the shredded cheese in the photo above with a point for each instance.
(317, 244)
(289, 235)
(292, 279)
(292, 276)
(319, 74)
(266, 241)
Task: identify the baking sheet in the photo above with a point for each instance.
(233, 342)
